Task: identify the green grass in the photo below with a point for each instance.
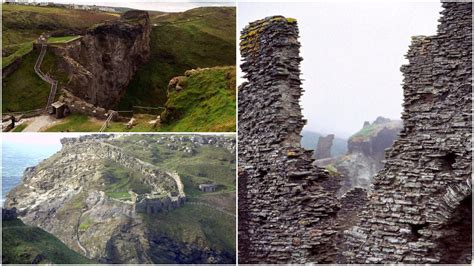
(208, 164)
(23, 90)
(197, 224)
(120, 180)
(62, 39)
(204, 37)
(25, 23)
(207, 103)
(20, 128)
(22, 243)
(75, 123)
(85, 225)
(18, 51)
(122, 195)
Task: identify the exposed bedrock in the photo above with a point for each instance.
(100, 65)
(323, 149)
(365, 155)
(420, 208)
(67, 196)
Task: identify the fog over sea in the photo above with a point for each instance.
(16, 157)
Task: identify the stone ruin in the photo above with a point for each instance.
(419, 207)
(284, 212)
(323, 149)
(168, 188)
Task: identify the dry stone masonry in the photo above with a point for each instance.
(420, 207)
(284, 212)
(168, 189)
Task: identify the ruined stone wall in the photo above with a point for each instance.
(93, 146)
(284, 213)
(420, 208)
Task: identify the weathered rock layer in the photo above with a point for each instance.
(100, 65)
(420, 207)
(64, 195)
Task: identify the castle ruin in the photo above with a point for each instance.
(419, 209)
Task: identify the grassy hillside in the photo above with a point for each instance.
(23, 90)
(23, 244)
(201, 37)
(194, 222)
(23, 24)
(204, 226)
(206, 103)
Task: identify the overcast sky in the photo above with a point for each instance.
(352, 56)
(168, 5)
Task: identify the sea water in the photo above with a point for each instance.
(16, 157)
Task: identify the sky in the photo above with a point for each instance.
(352, 56)
(37, 141)
(167, 6)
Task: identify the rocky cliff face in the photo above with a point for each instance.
(69, 195)
(420, 209)
(366, 152)
(65, 195)
(323, 150)
(100, 65)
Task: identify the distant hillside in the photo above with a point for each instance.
(201, 37)
(23, 244)
(21, 25)
(310, 141)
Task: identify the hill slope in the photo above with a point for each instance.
(205, 103)
(201, 37)
(23, 244)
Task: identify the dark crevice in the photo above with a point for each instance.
(415, 228)
(448, 161)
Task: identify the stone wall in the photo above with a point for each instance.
(170, 183)
(284, 212)
(420, 208)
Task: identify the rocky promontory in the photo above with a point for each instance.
(366, 152)
(70, 195)
(100, 64)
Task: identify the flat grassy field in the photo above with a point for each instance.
(22, 243)
(76, 123)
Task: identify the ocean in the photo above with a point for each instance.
(16, 157)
